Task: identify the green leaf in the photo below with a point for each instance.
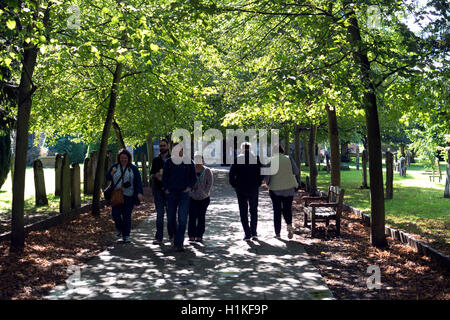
(154, 47)
(11, 24)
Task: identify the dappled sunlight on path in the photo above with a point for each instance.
(222, 267)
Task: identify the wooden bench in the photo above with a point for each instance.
(433, 174)
(324, 212)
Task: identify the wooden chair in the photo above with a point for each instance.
(324, 212)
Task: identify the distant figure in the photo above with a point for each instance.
(245, 177)
(402, 166)
(199, 199)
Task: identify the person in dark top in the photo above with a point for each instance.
(159, 197)
(178, 180)
(245, 177)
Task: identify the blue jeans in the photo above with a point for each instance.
(161, 206)
(122, 216)
(177, 200)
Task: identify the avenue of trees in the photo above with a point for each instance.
(136, 70)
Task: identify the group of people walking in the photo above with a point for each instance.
(182, 191)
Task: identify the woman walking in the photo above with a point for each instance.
(282, 189)
(125, 175)
(199, 199)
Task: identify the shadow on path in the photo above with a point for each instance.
(222, 267)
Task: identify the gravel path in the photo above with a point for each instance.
(223, 267)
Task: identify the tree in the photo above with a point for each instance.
(25, 23)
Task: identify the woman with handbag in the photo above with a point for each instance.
(125, 191)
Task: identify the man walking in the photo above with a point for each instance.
(178, 180)
(245, 177)
(159, 197)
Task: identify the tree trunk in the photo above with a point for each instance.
(389, 175)
(286, 140)
(104, 143)
(5, 155)
(447, 178)
(377, 224)
(333, 135)
(364, 170)
(402, 150)
(357, 157)
(305, 148)
(312, 160)
(297, 154)
(26, 90)
(150, 151)
(118, 133)
(317, 154)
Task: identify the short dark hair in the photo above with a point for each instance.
(280, 149)
(126, 152)
(164, 140)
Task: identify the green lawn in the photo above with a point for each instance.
(30, 209)
(418, 206)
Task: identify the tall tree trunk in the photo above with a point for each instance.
(118, 133)
(312, 160)
(447, 177)
(305, 149)
(26, 90)
(377, 225)
(5, 154)
(364, 170)
(150, 151)
(402, 150)
(297, 154)
(286, 139)
(389, 174)
(333, 135)
(104, 143)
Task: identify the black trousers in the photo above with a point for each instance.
(197, 213)
(246, 200)
(281, 205)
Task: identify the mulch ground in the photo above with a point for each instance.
(343, 262)
(43, 263)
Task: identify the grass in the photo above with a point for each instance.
(418, 206)
(30, 208)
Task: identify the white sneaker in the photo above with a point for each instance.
(290, 231)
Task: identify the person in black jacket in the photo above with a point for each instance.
(178, 180)
(245, 177)
(159, 196)
(126, 176)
